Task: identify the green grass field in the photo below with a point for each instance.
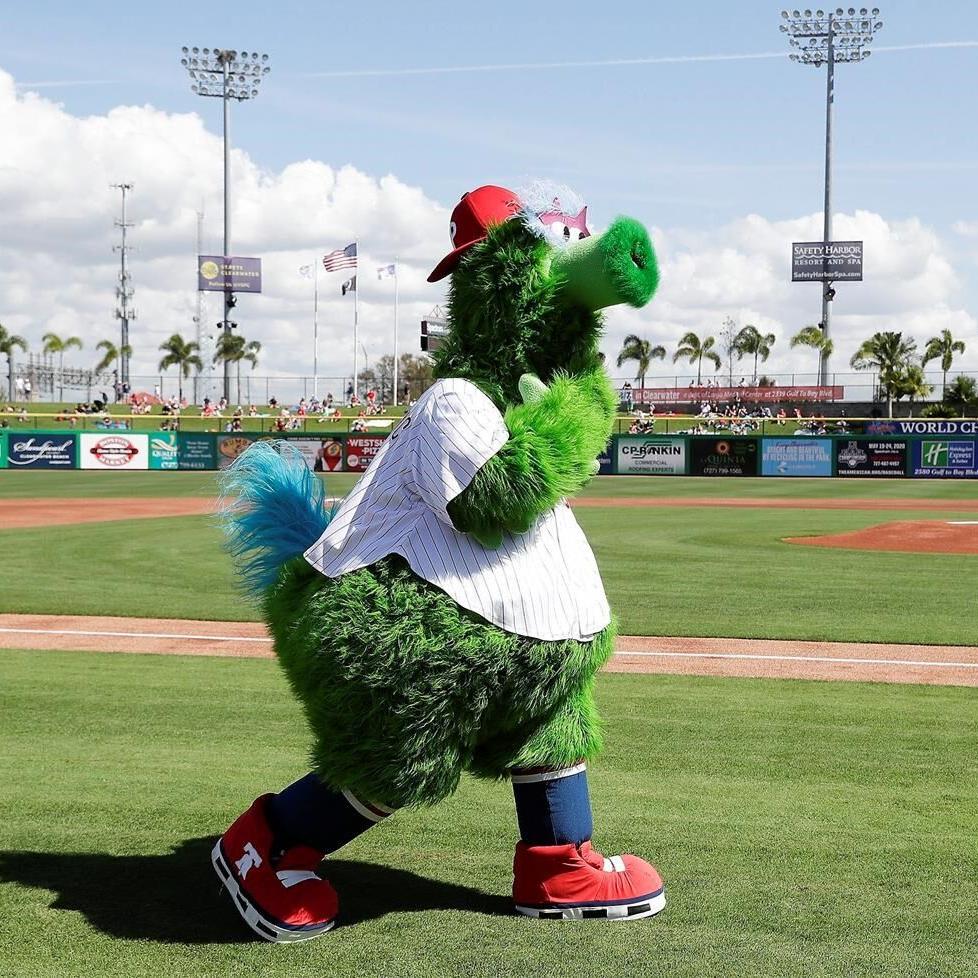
(810, 829)
(686, 571)
(818, 830)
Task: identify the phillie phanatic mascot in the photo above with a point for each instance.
(448, 615)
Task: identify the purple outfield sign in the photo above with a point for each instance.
(218, 274)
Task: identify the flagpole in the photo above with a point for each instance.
(315, 328)
(395, 331)
(356, 316)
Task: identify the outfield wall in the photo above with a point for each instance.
(947, 453)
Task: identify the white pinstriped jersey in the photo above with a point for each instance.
(543, 584)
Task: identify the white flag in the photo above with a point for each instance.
(305, 271)
(387, 271)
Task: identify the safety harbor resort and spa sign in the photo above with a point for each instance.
(837, 261)
(643, 455)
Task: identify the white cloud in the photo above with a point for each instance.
(58, 271)
(743, 270)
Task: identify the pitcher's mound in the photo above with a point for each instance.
(905, 536)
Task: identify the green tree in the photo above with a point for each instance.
(643, 352)
(111, 353)
(911, 383)
(55, 344)
(183, 356)
(962, 395)
(815, 339)
(414, 374)
(695, 350)
(750, 341)
(8, 343)
(889, 354)
(942, 348)
(233, 348)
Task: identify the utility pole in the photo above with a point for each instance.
(124, 291)
(199, 316)
(821, 38)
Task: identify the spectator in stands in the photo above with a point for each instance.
(627, 397)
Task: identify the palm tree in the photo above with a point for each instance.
(812, 336)
(962, 395)
(642, 352)
(8, 343)
(694, 350)
(111, 353)
(55, 344)
(942, 348)
(889, 354)
(233, 348)
(911, 383)
(750, 340)
(183, 356)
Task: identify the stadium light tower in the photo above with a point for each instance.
(828, 38)
(225, 74)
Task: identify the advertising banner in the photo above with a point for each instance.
(163, 453)
(321, 454)
(807, 457)
(113, 451)
(217, 274)
(229, 447)
(33, 451)
(645, 455)
(945, 459)
(922, 426)
(197, 452)
(838, 261)
(3, 449)
(724, 456)
(749, 395)
(360, 451)
(871, 459)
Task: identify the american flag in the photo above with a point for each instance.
(341, 258)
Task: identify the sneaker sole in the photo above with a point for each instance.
(266, 929)
(629, 911)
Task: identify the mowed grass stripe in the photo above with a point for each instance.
(697, 572)
(802, 828)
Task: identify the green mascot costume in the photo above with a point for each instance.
(448, 616)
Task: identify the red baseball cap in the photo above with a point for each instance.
(474, 214)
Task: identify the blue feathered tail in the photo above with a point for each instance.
(272, 509)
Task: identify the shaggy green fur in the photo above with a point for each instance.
(404, 689)
(507, 318)
(552, 445)
(605, 270)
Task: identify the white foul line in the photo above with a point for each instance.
(78, 631)
(801, 658)
(755, 657)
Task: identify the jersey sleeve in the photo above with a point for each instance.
(458, 431)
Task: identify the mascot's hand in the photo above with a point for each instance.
(532, 388)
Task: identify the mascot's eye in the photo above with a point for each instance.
(452, 230)
(576, 234)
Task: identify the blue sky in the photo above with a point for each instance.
(689, 143)
(693, 148)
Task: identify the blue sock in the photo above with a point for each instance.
(552, 806)
(307, 813)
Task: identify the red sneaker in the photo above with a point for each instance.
(576, 883)
(278, 895)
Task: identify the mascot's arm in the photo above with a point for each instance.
(554, 440)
